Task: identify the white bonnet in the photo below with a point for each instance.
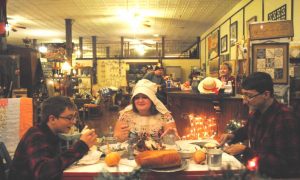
(148, 88)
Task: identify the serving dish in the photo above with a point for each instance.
(183, 166)
(186, 151)
(117, 147)
(69, 137)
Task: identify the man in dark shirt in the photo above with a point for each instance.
(38, 154)
(156, 76)
(272, 130)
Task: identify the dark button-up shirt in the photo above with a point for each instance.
(274, 139)
(38, 155)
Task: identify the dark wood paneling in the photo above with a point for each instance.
(28, 65)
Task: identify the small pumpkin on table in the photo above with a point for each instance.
(112, 158)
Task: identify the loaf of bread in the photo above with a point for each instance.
(158, 159)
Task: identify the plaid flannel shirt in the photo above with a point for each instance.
(38, 155)
(275, 139)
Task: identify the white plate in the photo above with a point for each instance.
(183, 166)
(92, 157)
(202, 142)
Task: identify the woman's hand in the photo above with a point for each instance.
(121, 131)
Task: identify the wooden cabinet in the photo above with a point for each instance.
(28, 66)
(136, 71)
(59, 84)
(182, 103)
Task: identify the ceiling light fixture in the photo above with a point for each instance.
(140, 49)
(133, 16)
(78, 53)
(66, 68)
(43, 49)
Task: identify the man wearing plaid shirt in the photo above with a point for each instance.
(272, 131)
(38, 154)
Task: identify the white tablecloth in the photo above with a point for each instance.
(128, 165)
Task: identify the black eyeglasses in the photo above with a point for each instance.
(249, 98)
(70, 118)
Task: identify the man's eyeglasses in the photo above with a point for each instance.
(249, 98)
(70, 118)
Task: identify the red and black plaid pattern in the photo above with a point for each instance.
(38, 155)
(275, 139)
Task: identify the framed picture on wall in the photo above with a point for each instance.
(224, 43)
(214, 67)
(251, 20)
(273, 59)
(213, 45)
(233, 33)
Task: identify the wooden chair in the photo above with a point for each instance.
(5, 161)
(80, 105)
(88, 108)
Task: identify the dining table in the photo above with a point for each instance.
(126, 168)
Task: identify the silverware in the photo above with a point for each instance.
(223, 146)
(125, 164)
(178, 147)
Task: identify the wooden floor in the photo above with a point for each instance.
(102, 122)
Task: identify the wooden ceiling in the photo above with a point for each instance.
(107, 19)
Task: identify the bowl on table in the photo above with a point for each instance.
(69, 137)
(187, 151)
(118, 147)
(210, 145)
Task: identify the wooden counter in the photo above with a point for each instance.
(183, 103)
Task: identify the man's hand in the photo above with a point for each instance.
(89, 137)
(235, 149)
(225, 138)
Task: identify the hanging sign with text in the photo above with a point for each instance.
(271, 30)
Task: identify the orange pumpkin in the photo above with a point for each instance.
(112, 159)
(199, 156)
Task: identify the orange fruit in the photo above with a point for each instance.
(112, 159)
(199, 156)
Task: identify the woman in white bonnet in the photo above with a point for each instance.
(146, 115)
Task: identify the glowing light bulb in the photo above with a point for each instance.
(252, 164)
(43, 49)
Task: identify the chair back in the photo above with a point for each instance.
(5, 161)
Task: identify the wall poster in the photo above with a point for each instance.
(233, 33)
(214, 67)
(213, 45)
(224, 44)
(272, 59)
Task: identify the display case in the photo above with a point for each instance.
(136, 71)
(57, 83)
